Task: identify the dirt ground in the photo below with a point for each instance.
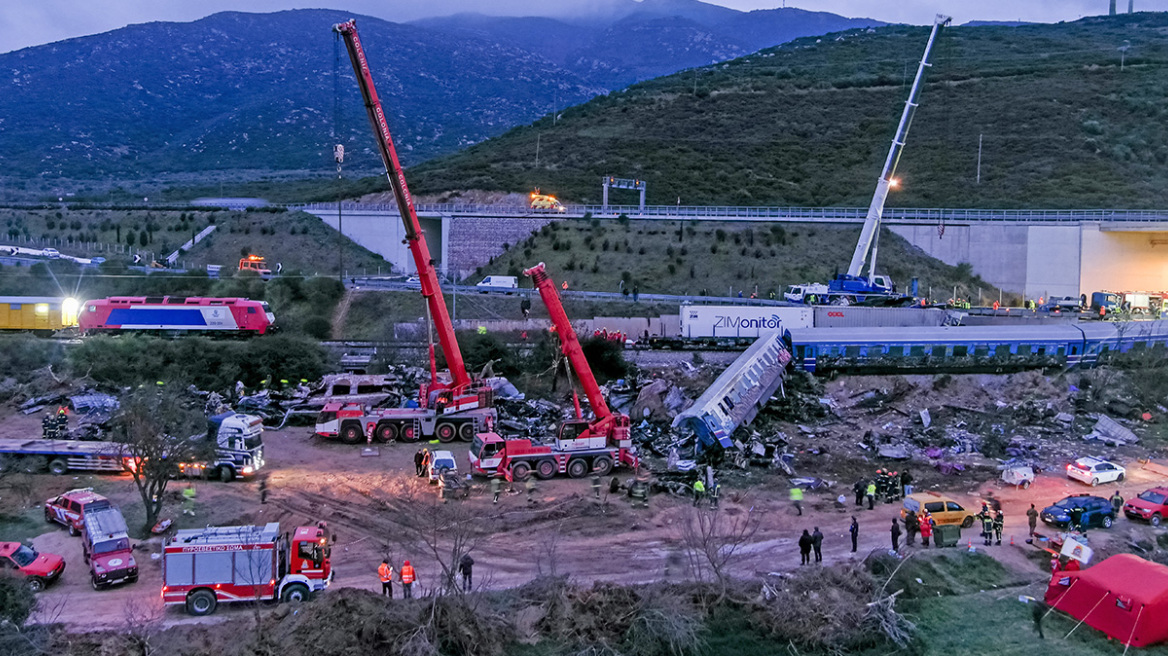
(313, 480)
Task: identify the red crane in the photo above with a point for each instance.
(582, 446)
(415, 238)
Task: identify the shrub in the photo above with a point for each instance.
(317, 327)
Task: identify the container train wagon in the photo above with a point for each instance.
(739, 393)
(37, 314)
(176, 315)
(973, 348)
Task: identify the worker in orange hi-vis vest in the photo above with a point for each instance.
(385, 573)
(407, 578)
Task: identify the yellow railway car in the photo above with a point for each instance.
(37, 313)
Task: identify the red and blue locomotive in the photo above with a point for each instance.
(175, 314)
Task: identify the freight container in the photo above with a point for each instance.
(741, 320)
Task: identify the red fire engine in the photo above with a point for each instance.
(204, 566)
(452, 404)
(581, 446)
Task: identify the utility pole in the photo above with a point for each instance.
(979, 158)
(339, 156)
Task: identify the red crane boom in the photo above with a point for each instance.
(415, 238)
(570, 347)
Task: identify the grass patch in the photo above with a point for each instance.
(941, 573)
(23, 525)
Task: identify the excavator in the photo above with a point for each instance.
(450, 406)
(581, 446)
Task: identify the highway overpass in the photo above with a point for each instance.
(1034, 252)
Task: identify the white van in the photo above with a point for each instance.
(500, 283)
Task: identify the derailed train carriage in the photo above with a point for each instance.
(971, 349)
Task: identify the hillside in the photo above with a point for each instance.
(719, 259)
(241, 96)
(809, 122)
(301, 242)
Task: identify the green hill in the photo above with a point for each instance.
(809, 122)
(720, 259)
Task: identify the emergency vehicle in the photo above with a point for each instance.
(545, 202)
(356, 422)
(257, 264)
(70, 508)
(38, 569)
(205, 566)
(105, 546)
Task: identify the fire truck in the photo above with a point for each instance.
(257, 264)
(452, 404)
(205, 566)
(581, 446)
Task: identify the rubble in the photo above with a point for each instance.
(1111, 433)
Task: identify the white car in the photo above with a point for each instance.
(1094, 471)
(50, 253)
(440, 462)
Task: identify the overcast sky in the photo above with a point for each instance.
(33, 22)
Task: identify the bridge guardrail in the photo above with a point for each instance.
(801, 214)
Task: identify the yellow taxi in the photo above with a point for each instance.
(944, 509)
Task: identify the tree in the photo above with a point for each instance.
(143, 238)
(154, 428)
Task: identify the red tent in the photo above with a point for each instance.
(1125, 597)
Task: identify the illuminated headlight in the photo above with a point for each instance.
(247, 469)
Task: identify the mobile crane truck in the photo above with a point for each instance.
(454, 406)
(581, 446)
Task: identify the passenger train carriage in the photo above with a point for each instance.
(973, 348)
(176, 314)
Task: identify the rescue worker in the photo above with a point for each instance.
(854, 529)
(817, 544)
(892, 488)
(987, 527)
(1032, 519)
(999, 524)
(715, 492)
(525, 307)
(385, 573)
(407, 580)
(425, 462)
(530, 485)
(796, 499)
(62, 423)
(906, 480)
(639, 491)
(911, 526)
(496, 488)
(465, 568)
(871, 496)
(699, 490)
(859, 489)
(894, 530)
(596, 485)
(188, 495)
(1117, 502)
(49, 427)
(881, 484)
(926, 522)
(418, 459)
(263, 487)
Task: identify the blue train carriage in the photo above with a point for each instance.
(1107, 341)
(737, 395)
(37, 314)
(948, 348)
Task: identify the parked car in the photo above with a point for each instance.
(1092, 511)
(1151, 505)
(38, 569)
(50, 253)
(105, 545)
(1093, 471)
(441, 461)
(944, 509)
(69, 509)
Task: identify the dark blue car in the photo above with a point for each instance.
(1091, 511)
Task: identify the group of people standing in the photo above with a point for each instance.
(407, 576)
(914, 523)
(809, 542)
(886, 486)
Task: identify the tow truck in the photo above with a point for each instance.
(257, 264)
(450, 405)
(854, 287)
(544, 202)
(581, 446)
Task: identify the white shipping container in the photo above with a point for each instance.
(741, 320)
